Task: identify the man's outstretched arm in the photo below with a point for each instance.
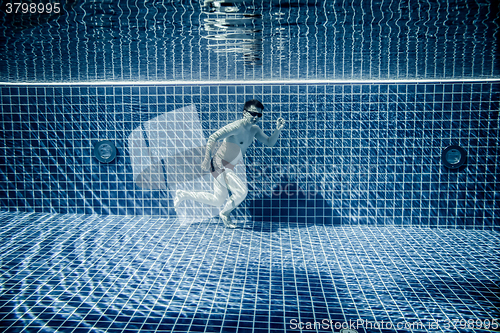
(270, 141)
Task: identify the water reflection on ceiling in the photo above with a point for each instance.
(232, 28)
(258, 40)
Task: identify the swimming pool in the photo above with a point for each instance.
(351, 217)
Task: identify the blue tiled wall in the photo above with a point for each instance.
(356, 154)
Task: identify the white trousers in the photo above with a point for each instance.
(224, 182)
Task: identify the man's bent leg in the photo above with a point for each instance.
(215, 199)
(238, 189)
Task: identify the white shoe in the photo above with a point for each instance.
(227, 221)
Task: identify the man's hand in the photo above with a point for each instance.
(205, 165)
(280, 123)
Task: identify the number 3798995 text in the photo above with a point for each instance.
(32, 8)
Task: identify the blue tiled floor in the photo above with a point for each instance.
(75, 273)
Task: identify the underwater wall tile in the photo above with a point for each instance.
(392, 149)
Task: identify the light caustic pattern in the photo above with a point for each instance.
(130, 40)
(103, 273)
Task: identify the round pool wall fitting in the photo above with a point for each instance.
(454, 157)
(105, 151)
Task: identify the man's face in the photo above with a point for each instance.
(252, 114)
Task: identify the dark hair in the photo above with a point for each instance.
(253, 102)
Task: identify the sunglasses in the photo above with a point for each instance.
(253, 114)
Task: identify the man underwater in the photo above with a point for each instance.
(236, 137)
